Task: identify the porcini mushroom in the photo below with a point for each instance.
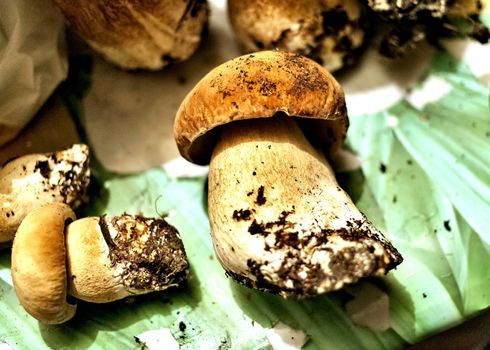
(39, 264)
(33, 180)
(139, 33)
(279, 220)
(96, 259)
(331, 32)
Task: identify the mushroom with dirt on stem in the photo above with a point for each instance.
(279, 220)
(330, 32)
(96, 259)
(33, 180)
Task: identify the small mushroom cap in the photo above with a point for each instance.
(110, 258)
(260, 85)
(39, 264)
(134, 34)
(37, 179)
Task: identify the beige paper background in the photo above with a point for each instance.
(32, 60)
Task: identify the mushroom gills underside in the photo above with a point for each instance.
(279, 220)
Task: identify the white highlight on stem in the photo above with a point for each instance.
(432, 89)
(283, 337)
(158, 339)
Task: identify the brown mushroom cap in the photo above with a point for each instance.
(39, 264)
(260, 85)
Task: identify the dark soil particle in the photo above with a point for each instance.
(382, 168)
(242, 214)
(182, 326)
(446, 225)
(43, 168)
(255, 228)
(261, 200)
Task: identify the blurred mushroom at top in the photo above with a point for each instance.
(331, 32)
(411, 21)
(266, 124)
(139, 34)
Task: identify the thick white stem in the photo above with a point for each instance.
(279, 219)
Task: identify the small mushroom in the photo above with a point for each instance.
(331, 32)
(39, 264)
(96, 259)
(139, 33)
(30, 181)
(279, 220)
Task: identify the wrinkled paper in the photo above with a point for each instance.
(32, 60)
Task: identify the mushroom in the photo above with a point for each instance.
(412, 21)
(331, 32)
(30, 181)
(96, 259)
(138, 33)
(39, 264)
(279, 220)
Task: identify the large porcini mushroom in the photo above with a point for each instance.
(96, 259)
(139, 33)
(331, 32)
(33, 180)
(279, 220)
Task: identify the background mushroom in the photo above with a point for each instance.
(331, 32)
(411, 21)
(279, 220)
(139, 33)
(96, 259)
(33, 180)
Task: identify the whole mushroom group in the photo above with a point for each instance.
(57, 258)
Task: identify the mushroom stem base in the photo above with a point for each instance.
(279, 220)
